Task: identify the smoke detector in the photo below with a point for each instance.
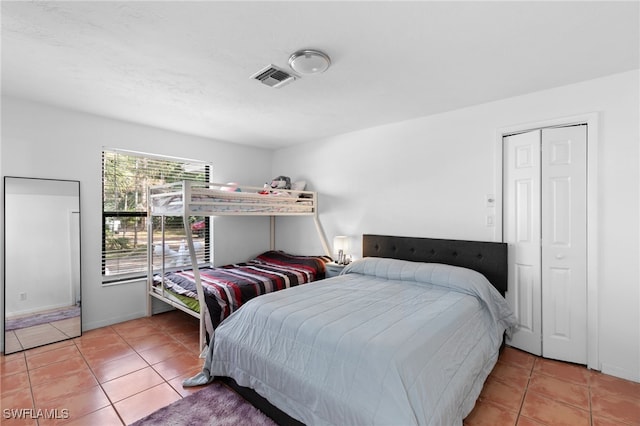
(273, 76)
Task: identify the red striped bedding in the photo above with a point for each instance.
(228, 287)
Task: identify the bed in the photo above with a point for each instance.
(392, 340)
(220, 290)
(226, 288)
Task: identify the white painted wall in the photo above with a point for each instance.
(428, 177)
(38, 255)
(47, 142)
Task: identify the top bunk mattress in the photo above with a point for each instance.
(202, 199)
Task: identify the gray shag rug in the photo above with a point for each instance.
(215, 404)
(42, 318)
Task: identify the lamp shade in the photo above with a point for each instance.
(340, 242)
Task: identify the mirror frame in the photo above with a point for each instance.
(4, 264)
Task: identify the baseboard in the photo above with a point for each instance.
(622, 373)
(86, 326)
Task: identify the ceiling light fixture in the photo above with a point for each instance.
(309, 61)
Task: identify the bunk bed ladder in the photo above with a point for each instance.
(186, 195)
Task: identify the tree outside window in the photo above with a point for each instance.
(126, 178)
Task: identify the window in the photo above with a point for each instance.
(125, 179)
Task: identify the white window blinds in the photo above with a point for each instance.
(125, 178)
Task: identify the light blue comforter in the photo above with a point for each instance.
(389, 342)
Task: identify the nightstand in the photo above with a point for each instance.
(332, 269)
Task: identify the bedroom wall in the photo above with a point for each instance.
(46, 239)
(429, 177)
(48, 142)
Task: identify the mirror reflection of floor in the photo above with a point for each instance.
(41, 334)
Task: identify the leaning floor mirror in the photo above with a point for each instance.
(41, 262)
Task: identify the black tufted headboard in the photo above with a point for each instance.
(488, 258)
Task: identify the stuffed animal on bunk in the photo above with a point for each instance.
(280, 182)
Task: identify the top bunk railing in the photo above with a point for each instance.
(190, 198)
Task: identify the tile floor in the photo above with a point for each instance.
(526, 390)
(108, 376)
(118, 374)
(42, 334)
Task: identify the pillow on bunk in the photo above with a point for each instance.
(230, 187)
(299, 185)
(280, 257)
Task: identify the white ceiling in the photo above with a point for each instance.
(185, 66)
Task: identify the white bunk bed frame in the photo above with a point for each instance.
(190, 198)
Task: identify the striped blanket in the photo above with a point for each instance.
(228, 287)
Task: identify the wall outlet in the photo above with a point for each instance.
(23, 296)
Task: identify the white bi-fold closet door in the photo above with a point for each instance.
(545, 226)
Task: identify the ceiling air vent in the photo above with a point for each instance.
(273, 76)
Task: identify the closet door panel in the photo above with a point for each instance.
(522, 232)
(564, 280)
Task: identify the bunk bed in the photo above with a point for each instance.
(212, 294)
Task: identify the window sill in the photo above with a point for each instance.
(124, 281)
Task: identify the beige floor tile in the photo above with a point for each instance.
(40, 359)
(72, 365)
(104, 417)
(563, 391)
(548, 411)
(39, 335)
(13, 382)
(502, 394)
(624, 410)
(11, 343)
(76, 405)
(74, 383)
(12, 364)
(119, 367)
(131, 384)
(488, 414)
(517, 358)
(146, 402)
(514, 376)
(562, 371)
